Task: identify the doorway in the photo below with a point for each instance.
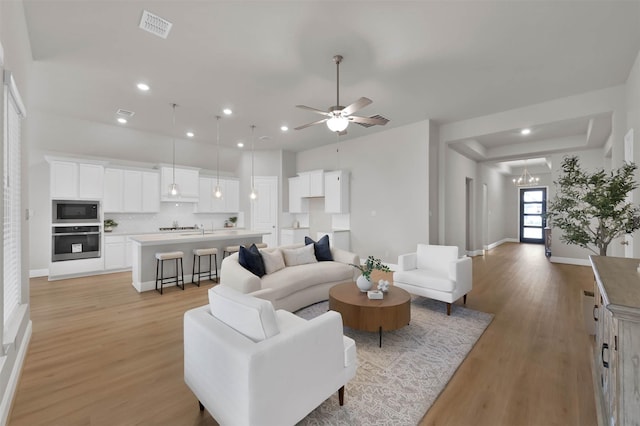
(533, 207)
(264, 209)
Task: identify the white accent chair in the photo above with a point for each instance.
(435, 272)
(251, 365)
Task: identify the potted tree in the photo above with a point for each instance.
(592, 209)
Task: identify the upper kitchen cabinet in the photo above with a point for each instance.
(131, 191)
(296, 203)
(228, 203)
(311, 183)
(74, 180)
(336, 191)
(187, 181)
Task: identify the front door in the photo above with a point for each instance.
(533, 206)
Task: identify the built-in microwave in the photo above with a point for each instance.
(74, 211)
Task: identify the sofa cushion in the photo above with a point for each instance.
(427, 278)
(273, 260)
(321, 248)
(295, 278)
(253, 317)
(299, 256)
(251, 259)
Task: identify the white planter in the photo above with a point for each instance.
(363, 284)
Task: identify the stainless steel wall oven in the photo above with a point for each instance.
(75, 242)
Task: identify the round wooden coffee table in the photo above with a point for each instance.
(361, 313)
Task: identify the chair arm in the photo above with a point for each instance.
(460, 271)
(233, 274)
(287, 363)
(408, 261)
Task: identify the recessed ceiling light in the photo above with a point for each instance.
(143, 86)
(284, 128)
(525, 132)
(227, 111)
(240, 144)
(122, 120)
(190, 134)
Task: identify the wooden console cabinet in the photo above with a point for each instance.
(617, 342)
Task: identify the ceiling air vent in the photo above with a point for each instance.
(124, 112)
(155, 24)
(369, 125)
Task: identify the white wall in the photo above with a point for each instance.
(389, 187)
(458, 169)
(632, 95)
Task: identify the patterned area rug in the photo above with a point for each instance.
(396, 384)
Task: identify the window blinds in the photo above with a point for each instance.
(12, 206)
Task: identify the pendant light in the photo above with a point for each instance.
(174, 191)
(253, 194)
(526, 178)
(217, 192)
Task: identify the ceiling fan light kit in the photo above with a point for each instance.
(338, 117)
(174, 191)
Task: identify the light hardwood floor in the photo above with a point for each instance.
(102, 354)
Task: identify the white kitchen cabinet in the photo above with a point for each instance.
(336, 191)
(131, 191)
(114, 252)
(187, 181)
(312, 183)
(289, 236)
(113, 184)
(296, 203)
(72, 180)
(150, 192)
(90, 181)
(228, 203)
(63, 179)
(117, 252)
(337, 238)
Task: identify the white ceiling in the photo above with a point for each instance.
(441, 60)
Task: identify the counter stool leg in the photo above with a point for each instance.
(193, 274)
(157, 272)
(216, 263)
(161, 275)
(178, 276)
(182, 272)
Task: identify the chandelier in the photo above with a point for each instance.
(526, 179)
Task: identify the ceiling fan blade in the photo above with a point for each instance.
(304, 126)
(372, 121)
(357, 105)
(317, 111)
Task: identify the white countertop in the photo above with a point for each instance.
(116, 232)
(193, 236)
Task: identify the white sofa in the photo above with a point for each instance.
(248, 364)
(436, 272)
(293, 287)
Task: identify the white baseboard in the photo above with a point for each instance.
(570, 261)
(502, 241)
(472, 253)
(34, 273)
(12, 385)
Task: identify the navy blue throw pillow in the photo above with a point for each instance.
(321, 248)
(251, 259)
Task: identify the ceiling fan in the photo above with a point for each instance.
(338, 117)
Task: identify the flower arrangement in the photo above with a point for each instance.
(370, 265)
(109, 224)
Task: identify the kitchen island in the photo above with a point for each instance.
(145, 247)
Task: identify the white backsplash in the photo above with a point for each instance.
(170, 212)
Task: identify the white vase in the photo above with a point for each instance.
(363, 284)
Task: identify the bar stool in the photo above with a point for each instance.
(212, 253)
(229, 250)
(160, 258)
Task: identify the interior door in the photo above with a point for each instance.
(264, 209)
(533, 206)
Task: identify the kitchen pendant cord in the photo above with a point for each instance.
(173, 138)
